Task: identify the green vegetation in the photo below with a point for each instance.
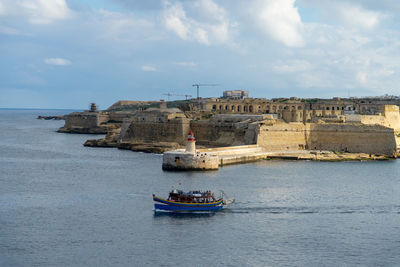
(309, 100)
(181, 104)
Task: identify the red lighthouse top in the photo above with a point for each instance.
(190, 136)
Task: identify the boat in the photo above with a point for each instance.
(192, 201)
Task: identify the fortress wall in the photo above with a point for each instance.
(373, 139)
(220, 134)
(119, 116)
(392, 116)
(282, 136)
(175, 130)
(83, 120)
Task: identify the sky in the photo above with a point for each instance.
(69, 53)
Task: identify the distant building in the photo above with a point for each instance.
(235, 94)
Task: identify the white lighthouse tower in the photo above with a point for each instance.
(191, 144)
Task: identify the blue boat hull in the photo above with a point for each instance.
(173, 208)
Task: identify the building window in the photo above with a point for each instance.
(214, 107)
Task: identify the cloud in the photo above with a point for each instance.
(148, 68)
(202, 21)
(357, 16)
(123, 27)
(186, 64)
(36, 11)
(281, 21)
(356, 13)
(57, 61)
(175, 20)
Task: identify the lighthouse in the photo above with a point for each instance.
(191, 144)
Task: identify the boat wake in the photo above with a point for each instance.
(315, 210)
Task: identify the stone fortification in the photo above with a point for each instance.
(158, 125)
(133, 105)
(349, 137)
(281, 136)
(85, 122)
(371, 139)
(274, 125)
(388, 116)
(224, 131)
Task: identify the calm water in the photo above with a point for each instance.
(62, 204)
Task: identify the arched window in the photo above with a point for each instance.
(250, 109)
(233, 107)
(214, 107)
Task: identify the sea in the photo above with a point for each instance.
(63, 204)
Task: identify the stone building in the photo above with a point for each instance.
(294, 109)
(235, 94)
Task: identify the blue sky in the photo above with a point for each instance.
(68, 53)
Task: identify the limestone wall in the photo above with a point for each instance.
(282, 136)
(349, 137)
(85, 120)
(212, 134)
(373, 139)
(392, 116)
(175, 130)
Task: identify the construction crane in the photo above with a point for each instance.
(198, 85)
(169, 94)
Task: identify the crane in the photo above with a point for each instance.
(198, 85)
(169, 94)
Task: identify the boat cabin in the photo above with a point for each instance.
(191, 196)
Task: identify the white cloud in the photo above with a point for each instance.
(361, 14)
(175, 20)
(36, 11)
(208, 23)
(186, 64)
(281, 20)
(148, 68)
(57, 61)
(358, 16)
(117, 26)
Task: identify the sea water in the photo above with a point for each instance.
(63, 204)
